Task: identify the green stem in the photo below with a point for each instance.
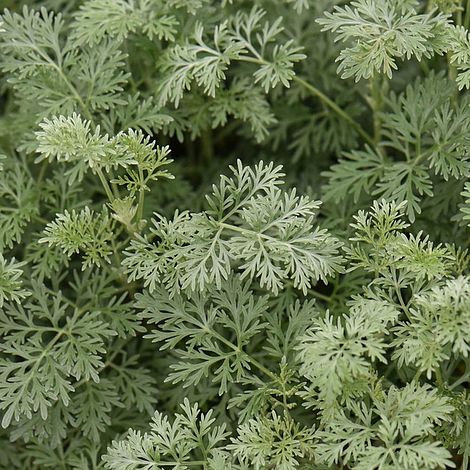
(207, 145)
(253, 361)
(42, 172)
(319, 295)
(62, 457)
(40, 219)
(427, 153)
(315, 293)
(140, 206)
(417, 375)
(377, 94)
(331, 104)
(458, 18)
(105, 184)
(71, 88)
(424, 67)
(403, 304)
(114, 186)
(466, 21)
(85, 110)
(463, 379)
(453, 78)
(263, 369)
(322, 97)
(260, 235)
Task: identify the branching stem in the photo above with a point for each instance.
(253, 361)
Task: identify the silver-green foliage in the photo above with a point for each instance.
(251, 226)
(154, 315)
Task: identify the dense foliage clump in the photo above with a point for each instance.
(308, 309)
